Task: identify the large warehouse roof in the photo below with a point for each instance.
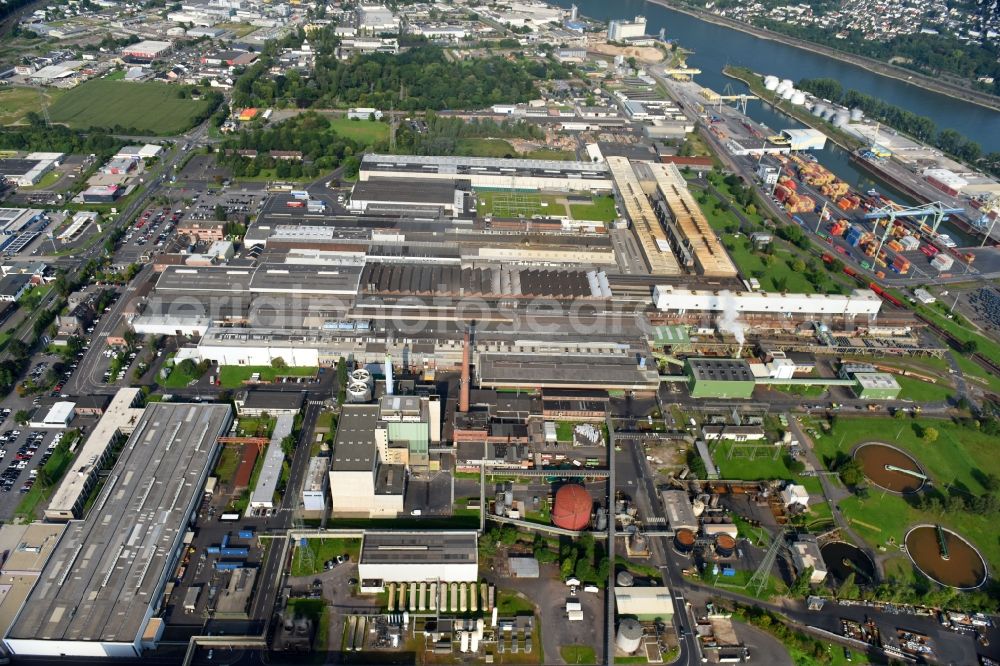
(354, 447)
(419, 548)
(503, 370)
(441, 192)
(109, 569)
(266, 278)
(464, 165)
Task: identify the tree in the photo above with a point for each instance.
(801, 587)
(188, 367)
(970, 347)
(847, 589)
(567, 567)
(21, 416)
(278, 363)
(930, 435)
(852, 473)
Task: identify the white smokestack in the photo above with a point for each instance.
(729, 320)
(388, 375)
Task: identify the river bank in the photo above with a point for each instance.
(756, 85)
(874, 66)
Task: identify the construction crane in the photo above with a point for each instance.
(989, 214)
(937, 210)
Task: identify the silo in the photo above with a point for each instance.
(856, 115)
(829, 113)
(684, 541)
(818, 109)
(770, 82)
(602, 519)
(798, 98)
(624, 579)
(725, 545)
(629, 637)
(840, 118)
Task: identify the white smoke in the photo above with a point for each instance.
(729, 320)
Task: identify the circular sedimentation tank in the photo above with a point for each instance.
(842, 559)
(882, 464)
(625, 579)
(571, 509)
(684, 540)
(725, 545)
(945, 557)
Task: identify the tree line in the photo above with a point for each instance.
(36, 135)
(418, 79)
(917, 126)
(309, 133)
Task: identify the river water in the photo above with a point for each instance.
(716, 46)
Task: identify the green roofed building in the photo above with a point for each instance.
(876, 386)
(719, 378)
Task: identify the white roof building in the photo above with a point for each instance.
(795, 494)
(58, 416)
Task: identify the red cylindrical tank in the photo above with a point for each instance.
(571, 510)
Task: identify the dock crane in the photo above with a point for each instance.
(936, 210)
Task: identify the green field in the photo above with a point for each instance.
(485, 148)
(600, 209)
(763, 466)
(148, 107)
(233, 376)
(312, 558)
(518, 204)
(578, 654)
(921, 391)
(957, 460)
(367, 132)
(16, 102)
(239, 29)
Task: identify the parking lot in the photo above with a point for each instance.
(151, 233)
(23, 452)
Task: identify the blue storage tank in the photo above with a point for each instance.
(212, 550)
(246, 534)
(235, 551)
(228, 566)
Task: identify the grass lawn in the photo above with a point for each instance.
(977, 374)
(228, 463)
(921, 391)
(16, 102)
(233, 376)
(505, 203)
(512, 603)
(738, 582)
(47, 181)
(957, 459)
(549, 154)
(311, 558)
(485, 148)
(256, 427)
(564, 430)
(177, 378)
(367, 132)
(763, 466)
(148, 107)
(239, 29)
(578, 654)
(600, 209)
(777, 276)
(806, 391)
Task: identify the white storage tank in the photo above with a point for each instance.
(786, 93)
(786, 83)
(856, 115)
(798, 98)
(629, 638)
(841, 118)
(818, 109)
(771, 82)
